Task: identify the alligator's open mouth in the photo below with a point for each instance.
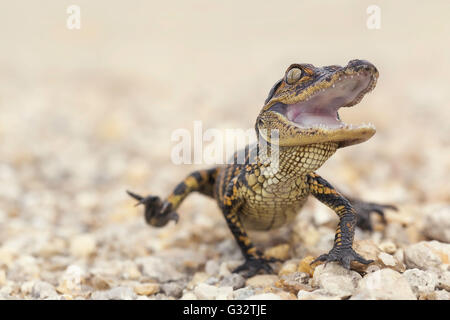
(320, 108)
(303, 106)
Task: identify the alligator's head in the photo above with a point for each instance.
(303, 106)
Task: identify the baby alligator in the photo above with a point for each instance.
(263, 194)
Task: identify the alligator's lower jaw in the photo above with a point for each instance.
(345, 135)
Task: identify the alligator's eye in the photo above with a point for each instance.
(293, 75)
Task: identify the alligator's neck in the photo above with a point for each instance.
(295, 161)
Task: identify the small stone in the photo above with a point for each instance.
(442, 249)
(387, 259)
(437, 224)
(199, 277)
(82, 245)
(294, 282)
(243, 293)
(288, 267)
(262, 280)
(117, 293)
(131, 271)
(320, 294)
(388, 247)
(369, 250)
(421, 282)
(305, 265)
(234, 280)
(146, 289)
(280, 252)
(336, 280)
(172, 289)
(384, 284)
(43, 290)
(99, 282)
(264, 296)
(158, 270)
(426, 255)
(70, 282)
(207, 292)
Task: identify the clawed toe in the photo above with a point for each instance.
(135, 196)
(323, 258)
(253, 265)
(157, 213)
(343, 256)
(146, 201)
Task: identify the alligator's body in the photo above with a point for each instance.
(263, 193)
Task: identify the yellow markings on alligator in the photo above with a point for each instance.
(245, 240)
(251, 180)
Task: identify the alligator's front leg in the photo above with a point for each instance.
(254, 260)
(342, 250)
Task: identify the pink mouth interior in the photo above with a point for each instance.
(322, 107)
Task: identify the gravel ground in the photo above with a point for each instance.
(87, 114)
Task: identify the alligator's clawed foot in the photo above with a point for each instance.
(157, 213)
(364, 211)
(343, 256)
(251, 266)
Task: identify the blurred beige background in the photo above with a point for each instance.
(86, 114)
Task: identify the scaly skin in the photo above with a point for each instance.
(262, 194)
